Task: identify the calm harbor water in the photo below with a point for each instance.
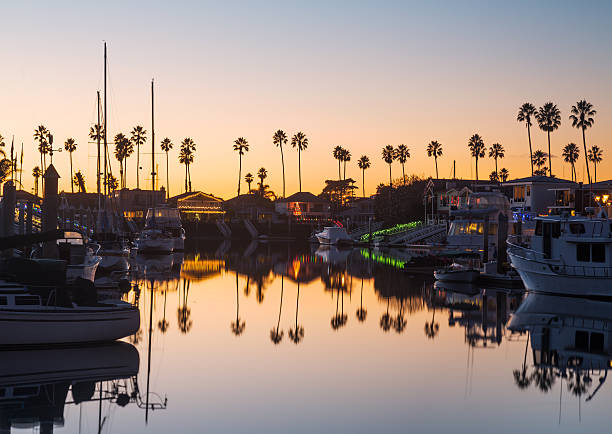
(278, 338)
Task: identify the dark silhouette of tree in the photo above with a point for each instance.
(539, 160)
(70, 146)
(138, 138)
(186, 155)
(503, 174)
(241, 146)
(402, 153)
(361, 313)
(164, 324)
(111, 182)
(183, 312)
(388, 155)
(41, 134)
(276, 335)
(525, 114)
(280, 139)
(79, 181)
(434, 149)
(346, 157)
(595, 157)
(36, 173)
(549, 119)
(300, 141)
(399, 322)
(496, 151)
(521, 379)
(165, 146)
(363, 163)
(340, 318)
(432, 328)
(296, 334)
(577, 384)
(337, 153)
(239, 325)
(385, 320)
(477, 149)
(123, 149)
(582, 118)
(571, 153)
(543, 377)
(494, 177)
(248, 178)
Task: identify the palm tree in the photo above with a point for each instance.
(363, 163)
(276, 335)
(494, 176)
(41, 134)
(388, 155)
(111, 182)
(299, 141)
(337, 153)
(70, 146)
(432, 328)
(582, 118)
(496, 151)
(477, 148)
(280, 139)
(549, 119)
(79, 181)
(166, 145)
(361, 312)
(121, 153)
(186, 158)
(262, 174)
(36, 173)
(346, 157)
(138, 138)
(571, 153)
(96, 134)
(402, 153)
(296, 334)
(399, 322)
(340, 318)
(239, 325)
(248, 178)
(526, 111)
(595, 156)
(434, 149)
(539, 159)
(503, 174)
(241, 146)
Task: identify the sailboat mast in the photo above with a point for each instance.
(152, 140)
(105, 126)
(98, 132)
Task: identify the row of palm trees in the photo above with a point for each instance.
(548, 117)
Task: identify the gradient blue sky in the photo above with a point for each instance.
(358, 74)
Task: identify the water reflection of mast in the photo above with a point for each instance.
(149, 353)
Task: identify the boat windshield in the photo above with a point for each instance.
(163, 216)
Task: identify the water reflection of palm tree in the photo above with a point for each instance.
(183, 312)
(361, 312)
(340, 319)
(239, 325)
(399, 323)
(163, 324)
(276, 335)
(297, 334)
(247, 288)
(521, 378)
(577, 384)
(385, 319)
(432, 328)
(543, 378)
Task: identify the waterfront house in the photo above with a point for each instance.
(536, 195)
(249, 206)
(304, 207)
(197, 205)
(133, 204)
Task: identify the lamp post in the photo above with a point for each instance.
(51, 150)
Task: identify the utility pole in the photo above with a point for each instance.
(98, 132)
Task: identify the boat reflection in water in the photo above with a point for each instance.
(35, 384)
(570, 340)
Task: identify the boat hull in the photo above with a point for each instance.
(462, 276)
(84, 271)
(540, 277)
(53, 326)
(155, 246)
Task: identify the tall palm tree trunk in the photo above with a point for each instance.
(189, 175)
(345, 170)
(436, 160)
(185, 177)
(300, 169)
(239, 172)
(280, 309)
(167, 178)
(476, 168)
(339, 173)
(390, 182)
(549, 156)
(282, 164)
(138, 165)
(595, 166)
(71, 173)
(496, 171)
(530, 151)
(363, 182)
(586, 157)
(403, 174)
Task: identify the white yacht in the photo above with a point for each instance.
(61, 315)
(568, 255)
(466, 229)
(81, 258)
(333, 235)
(163, 232)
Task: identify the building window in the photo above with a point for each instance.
(528, 190)
(583, 252)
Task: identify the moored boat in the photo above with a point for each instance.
(163, 232)
(457, 273)
(333, 235)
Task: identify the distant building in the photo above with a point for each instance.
(441, 196)
(133, 204)
(536, 195)
(197, 205)
(249, 206)
(359, 211)
(304, 206)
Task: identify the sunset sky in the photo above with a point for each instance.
(357, 74)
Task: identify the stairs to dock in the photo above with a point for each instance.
(224, 229)
(251, 228)
(418, 235)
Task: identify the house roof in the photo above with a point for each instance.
(248, 201)
(25, 196)
(539, 179)
(193, 194)
(303, 196)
